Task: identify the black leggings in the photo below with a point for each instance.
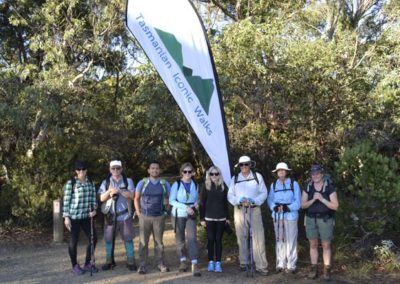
(73, 243)
(215, 230)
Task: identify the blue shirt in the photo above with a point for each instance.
(284, 195)
(179, 199)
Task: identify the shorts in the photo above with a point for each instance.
(319, 228)
(124, 229)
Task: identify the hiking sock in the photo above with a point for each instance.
(108, 252)
(129, 252)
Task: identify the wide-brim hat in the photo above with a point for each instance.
(281, 166)
(245, 159)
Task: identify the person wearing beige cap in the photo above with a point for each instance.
(116, 192)
(247, 191)
(284, 200)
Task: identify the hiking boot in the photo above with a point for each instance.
(77, 270)
(243, 267)
(142, 269)
(162, 268)
(131, 266)
(278, 270)
(327, 273)
(210, 266)
(90, 268)
(313, 274)
(218, 267)
(196, 270)
(108, 266)
(183, 266)
(262, 271)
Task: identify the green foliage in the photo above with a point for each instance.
(369, 188)
(386, 258)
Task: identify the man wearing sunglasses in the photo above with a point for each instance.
(247, 192)
(118, 191)
(78, 207)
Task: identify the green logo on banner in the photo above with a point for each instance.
(203, 88)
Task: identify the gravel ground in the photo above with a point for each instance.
(39, 260)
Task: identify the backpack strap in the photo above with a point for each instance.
(291, 186)
(255, 177)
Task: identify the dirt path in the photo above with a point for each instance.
(46, 262)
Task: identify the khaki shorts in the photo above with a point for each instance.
(319, 228)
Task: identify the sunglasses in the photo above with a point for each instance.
(80, 170)
(244, 165)
(116, 169)
(187, 172)
(214, 174)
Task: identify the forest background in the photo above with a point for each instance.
(302, 82)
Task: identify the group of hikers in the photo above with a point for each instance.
(186, 202)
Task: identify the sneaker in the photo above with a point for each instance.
(262, 271)
(142, 269)
(163, 268)
(108, 266)
(196, 270)
(183, 266)
(131, 266)
(313, 274)
(77, 270)
(210, 266)
(327, 273)
(90, 268)
(218, 267)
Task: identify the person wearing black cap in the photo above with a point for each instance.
(78, 207)
(320, 201)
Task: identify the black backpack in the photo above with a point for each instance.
(255, 178)
(291, 186)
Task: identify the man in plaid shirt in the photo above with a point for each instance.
(78, 207)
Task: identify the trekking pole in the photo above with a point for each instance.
(251, 243)
(244, 210)
(283, 227)
(115, 197)
(92, 260)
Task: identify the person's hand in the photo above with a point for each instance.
(251, 201)
(276, 208)
(285, 208)
(190, 211)
(243, 200)
(196, 206)
(203, 223)
(113, 191)
(67, 223)
(318, 196)
(92, 214)
(228, 222)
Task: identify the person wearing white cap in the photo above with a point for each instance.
(247, 189)
(117, 192)
(284, 200)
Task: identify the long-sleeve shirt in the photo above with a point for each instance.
(80, 200)
(214, 203)
(247, 188)
(282, 194)
(180, 199)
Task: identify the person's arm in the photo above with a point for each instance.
(129, 193)
(232, 198)
(203, 201)
(333, 204)
(67, 199)
(106, 193)
(262, 191)
(305, 203)
(271, 198)
(136, 200)
(173, 198)
(296, 204)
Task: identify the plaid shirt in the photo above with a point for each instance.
(79, 200)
